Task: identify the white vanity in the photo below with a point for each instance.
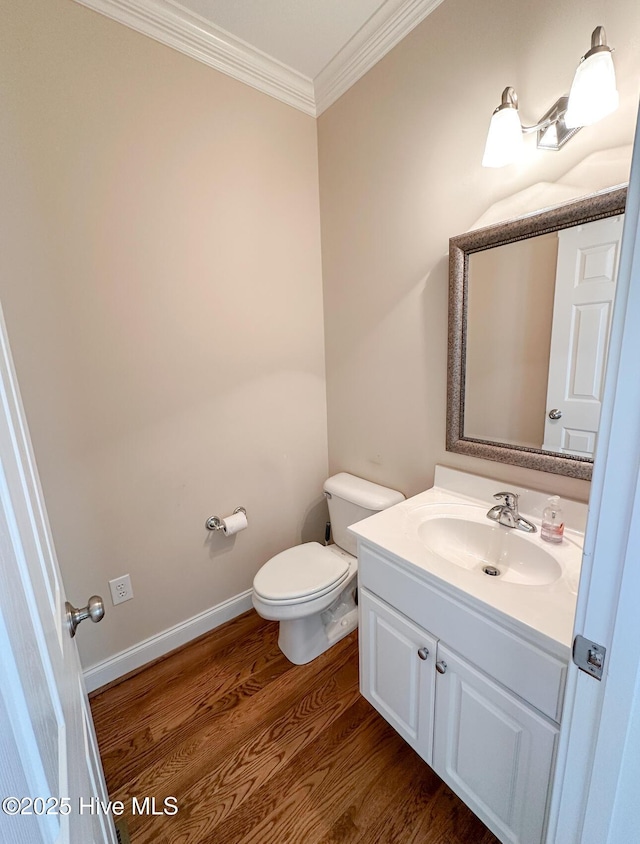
(470, 667)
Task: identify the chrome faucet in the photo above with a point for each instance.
(507, 513)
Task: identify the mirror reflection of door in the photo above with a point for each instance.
(537, 331)
(583, 302)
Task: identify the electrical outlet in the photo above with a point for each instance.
(121, 589)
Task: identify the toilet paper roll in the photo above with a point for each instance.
(234, 524)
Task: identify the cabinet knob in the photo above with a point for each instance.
(441, 667)
(423, 653)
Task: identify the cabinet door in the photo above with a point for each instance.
(397, 673)
(493, 750)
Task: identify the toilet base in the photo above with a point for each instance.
(303, 639)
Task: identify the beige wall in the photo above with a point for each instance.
(400, 173)
(509, 317)
(161, 279)
(161, 282)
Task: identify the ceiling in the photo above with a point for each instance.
(302, 34)
(306, 53)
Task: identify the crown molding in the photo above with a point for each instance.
(380, 34)
(173, 25)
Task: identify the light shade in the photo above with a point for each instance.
(593, 94)
(504, 141)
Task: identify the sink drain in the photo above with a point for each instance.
(492, 571)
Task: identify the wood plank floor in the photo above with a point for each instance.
(258, 751)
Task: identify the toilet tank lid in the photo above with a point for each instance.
(363, 493)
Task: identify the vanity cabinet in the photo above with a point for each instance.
(459, 687)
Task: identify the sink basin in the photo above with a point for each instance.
(494, 551)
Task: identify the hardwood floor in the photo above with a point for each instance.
(258, 751)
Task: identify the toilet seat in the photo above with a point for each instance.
(300, 574)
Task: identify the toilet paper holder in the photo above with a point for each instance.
(215, 522)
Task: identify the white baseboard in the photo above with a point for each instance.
(156, 646)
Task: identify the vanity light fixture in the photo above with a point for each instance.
(593, 95)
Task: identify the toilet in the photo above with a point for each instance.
(310, 588)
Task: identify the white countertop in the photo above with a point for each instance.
(548, 609)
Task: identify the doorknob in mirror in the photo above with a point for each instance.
(94, 610)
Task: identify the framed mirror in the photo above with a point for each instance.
(530, 304)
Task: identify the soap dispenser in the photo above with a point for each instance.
(552, 524)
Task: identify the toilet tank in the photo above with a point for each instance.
(352, 499)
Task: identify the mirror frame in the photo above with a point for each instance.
(608, 203)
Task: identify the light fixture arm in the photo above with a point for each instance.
(555, 113)
(509, 99)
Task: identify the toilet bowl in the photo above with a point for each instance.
(310, 588)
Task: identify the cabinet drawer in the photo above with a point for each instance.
(532, 673)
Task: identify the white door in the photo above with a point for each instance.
(48, 754)
(493, 750)
(595, 796)
(586, 271)
(397, 673)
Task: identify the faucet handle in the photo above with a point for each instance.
(509, 499)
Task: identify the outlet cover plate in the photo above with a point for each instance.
(121, 589)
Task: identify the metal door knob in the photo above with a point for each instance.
(94, 610)
(555, 413)
(441, 666)
(423, 653)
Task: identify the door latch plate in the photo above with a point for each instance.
(589, 656)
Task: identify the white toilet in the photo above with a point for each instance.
(310, 589)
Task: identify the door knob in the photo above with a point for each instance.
(555, 413)
(441, 666)
(94, 610)
(423, 653)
